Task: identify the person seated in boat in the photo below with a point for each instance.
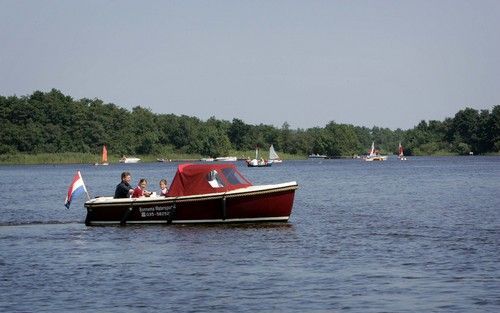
(214, 180)
(123, 189)
(163, 188)
(140, 190)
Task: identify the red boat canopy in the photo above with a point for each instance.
(194, 179)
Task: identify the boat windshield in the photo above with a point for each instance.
(233, 177)
(214, 180)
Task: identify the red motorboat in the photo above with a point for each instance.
(199, 193)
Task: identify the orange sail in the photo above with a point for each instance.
(104, 154)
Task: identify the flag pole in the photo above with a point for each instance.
(87, 193)
(84, 187)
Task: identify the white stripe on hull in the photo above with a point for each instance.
(229, 220)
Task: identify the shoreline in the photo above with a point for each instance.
(93, 159)
(90, 159)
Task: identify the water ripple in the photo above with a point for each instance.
(416, 237)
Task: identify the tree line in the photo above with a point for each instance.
(51, 122)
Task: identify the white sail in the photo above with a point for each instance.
(272, 154)
(372, 151)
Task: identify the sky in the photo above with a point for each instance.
(366, 63)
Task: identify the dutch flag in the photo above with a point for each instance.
(77, 187)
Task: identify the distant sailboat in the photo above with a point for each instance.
(273, 156)
(401, 155)
(374, 155)
(104, 158)
(258, 162)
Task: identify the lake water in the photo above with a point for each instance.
(415, 236)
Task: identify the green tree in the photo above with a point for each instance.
(144, 130)
(238, 134)
(319, 141)
(495, 128)
(465, 129)
(341, 139)
(285, 139)
(211, 140)
(53, 122)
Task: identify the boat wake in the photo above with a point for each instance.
(25, 223)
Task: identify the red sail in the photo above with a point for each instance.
(104, 154)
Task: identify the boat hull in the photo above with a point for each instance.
(271, 203)
(226, 159)
(129, 160)
(376, 158)
(317, 156)
(258, 163)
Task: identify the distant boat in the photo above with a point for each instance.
(125, 159)
(317, 156)
(104, 157)
(401, 155)
(227, 159)
(207, 159)
(258, 162)
(374, 155)
(273, 156)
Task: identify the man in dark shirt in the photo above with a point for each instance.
(123, 189)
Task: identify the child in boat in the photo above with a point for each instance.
(163, 188)
(140, 190)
